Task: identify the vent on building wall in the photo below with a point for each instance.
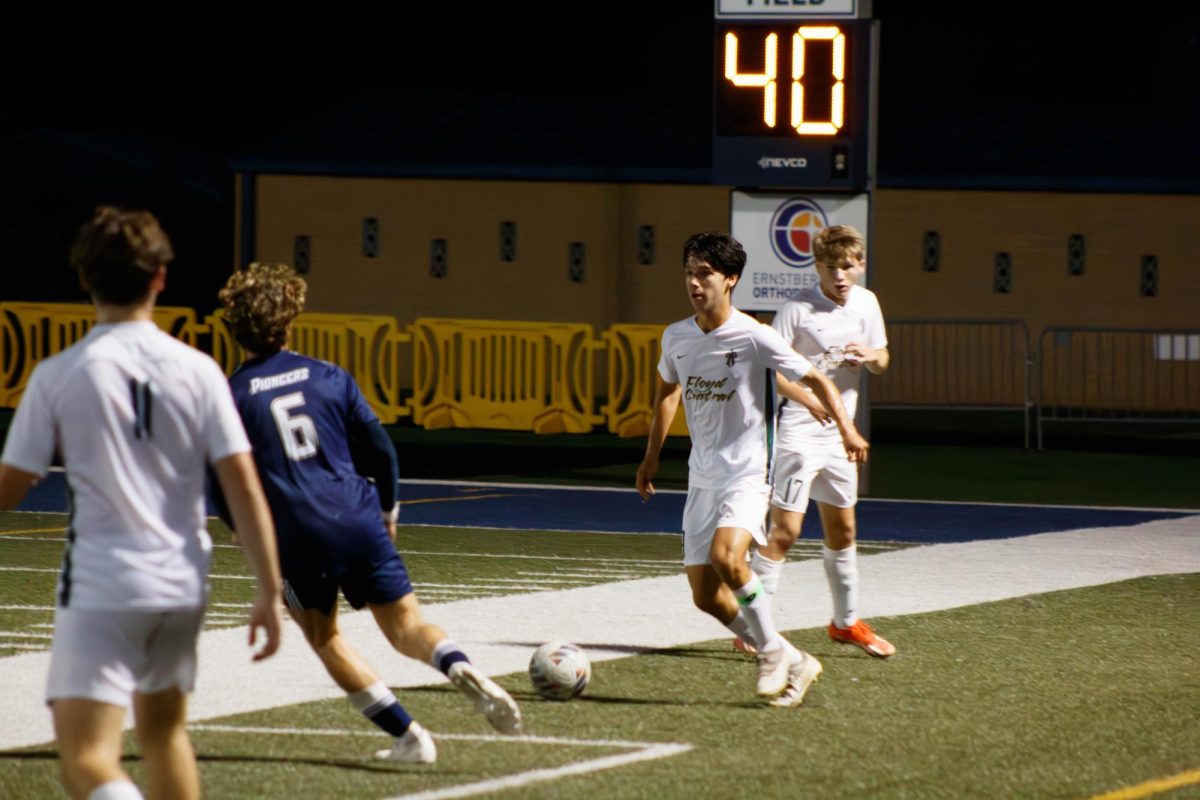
(931, 251)
(576, 261)
(508, 241)
(437, 258)
(302, 255)
(1076, 253)
(645, 244)
(1149, 276)
(1002, 273)
(370, 237)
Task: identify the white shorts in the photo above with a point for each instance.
(821, 471)
(107, 655)
(709, 509)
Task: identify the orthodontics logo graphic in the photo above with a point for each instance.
(793, 228)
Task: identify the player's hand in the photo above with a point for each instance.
(645, 474)
(856, 445)
(391, 529)
(857, 353)
(265, 614)
(818, 411)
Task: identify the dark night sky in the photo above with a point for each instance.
(182, 95)
(222, 83)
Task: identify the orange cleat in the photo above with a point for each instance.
(860, 635)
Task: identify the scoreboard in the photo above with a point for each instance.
(793, 94)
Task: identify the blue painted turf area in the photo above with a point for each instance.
(622, 511)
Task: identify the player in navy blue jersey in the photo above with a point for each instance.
(336, 531)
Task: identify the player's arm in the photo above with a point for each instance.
(831, 399)
(798, 394)
(375, 457)
(876, 360)
(666, 402)
(14, 485)
(243, 492)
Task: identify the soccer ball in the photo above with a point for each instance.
(559, 670)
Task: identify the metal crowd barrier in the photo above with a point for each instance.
(471, 373)
(970, 364)
(1118, 375)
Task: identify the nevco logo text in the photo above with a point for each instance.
(767, 162)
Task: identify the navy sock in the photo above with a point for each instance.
(445, 653)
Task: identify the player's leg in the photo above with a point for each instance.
(314, 608)
(88, 735)
(388, 593)
(767, 562)
(94, 660)
(166, 749)
(794, 473)
(741, 524)
(840, 557)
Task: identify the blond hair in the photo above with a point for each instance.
(260, 303)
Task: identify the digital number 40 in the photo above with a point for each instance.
(767, 79)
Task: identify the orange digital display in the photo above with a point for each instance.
(791, 102)
(789, 80)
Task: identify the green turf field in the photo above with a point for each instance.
(1065, 694)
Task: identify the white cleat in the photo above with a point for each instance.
(773, 668)
(414, 747)
(801, 676)
(490, 699)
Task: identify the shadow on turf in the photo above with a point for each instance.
(361, 766)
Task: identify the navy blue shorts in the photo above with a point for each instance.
(372, 574)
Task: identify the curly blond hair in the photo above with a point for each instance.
(260, 303)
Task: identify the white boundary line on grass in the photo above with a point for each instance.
(642, 751)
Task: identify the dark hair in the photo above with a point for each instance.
(117, 254)
(719, 250)
(260, 303)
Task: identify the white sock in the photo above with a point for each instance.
(741, 627)
(756, 608)
(115, 790)
(371, 700)
(768, 570)
(841, 570)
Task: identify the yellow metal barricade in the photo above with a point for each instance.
(366, 346)
(470, 373)
(633, 353)
(31, 332)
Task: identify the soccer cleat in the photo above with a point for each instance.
(802, 675)
(414, 747)
(490, 700)
(860, 635)
(742, 646)
(773, 669)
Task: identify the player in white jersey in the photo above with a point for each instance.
(839, 327)
(717, 363)
(136, 416)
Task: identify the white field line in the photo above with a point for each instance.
(498, 632)
(591, 576)
(652, 753)
(15, 646)
(19, 635)
(642, 751)
(28, 608)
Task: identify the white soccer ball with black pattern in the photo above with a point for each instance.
(559, 670)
